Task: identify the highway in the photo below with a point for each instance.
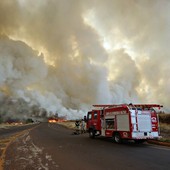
(52, 146)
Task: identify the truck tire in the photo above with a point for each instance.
(91, 133)
(117, 138)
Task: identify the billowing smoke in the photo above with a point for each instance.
(65, 56)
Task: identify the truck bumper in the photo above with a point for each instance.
(145, 135)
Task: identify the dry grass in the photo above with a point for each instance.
(68, 124)
(165, 132)
(165, 126)
(164, 118)
(6, 126)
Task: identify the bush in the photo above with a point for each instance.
(164, 118)
(29, 120)
(1, 120)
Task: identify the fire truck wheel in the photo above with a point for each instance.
(117, 138)
(91, 133)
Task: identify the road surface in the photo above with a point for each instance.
(54, 147)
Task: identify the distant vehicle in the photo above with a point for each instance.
(138, 122)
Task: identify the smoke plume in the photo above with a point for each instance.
(66, 56)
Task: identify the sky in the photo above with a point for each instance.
(66, 55)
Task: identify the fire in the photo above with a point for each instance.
(55, 120)
(61, 120)
(52, 121)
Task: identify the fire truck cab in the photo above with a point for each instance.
(137, 122)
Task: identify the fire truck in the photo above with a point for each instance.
(138, 122)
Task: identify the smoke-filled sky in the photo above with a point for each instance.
(67, 55)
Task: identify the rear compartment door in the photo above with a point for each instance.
(144, 122)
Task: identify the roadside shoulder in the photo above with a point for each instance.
(157, 142)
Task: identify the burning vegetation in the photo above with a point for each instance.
(56, 119)
(17, 111)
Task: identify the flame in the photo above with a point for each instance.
(52, 121)
(55, 120)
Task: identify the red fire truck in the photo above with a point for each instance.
(137, 122)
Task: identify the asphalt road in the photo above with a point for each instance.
(51, 146)
(5, 132)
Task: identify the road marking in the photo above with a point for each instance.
(32, 155)
(7, 141)
(51, 126)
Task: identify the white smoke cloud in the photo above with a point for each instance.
(53, 53)
(124, 77)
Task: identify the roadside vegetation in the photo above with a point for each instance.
(69, 124)
(164, 127)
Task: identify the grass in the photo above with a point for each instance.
(69, 124)
(165, 132)
(164, 118)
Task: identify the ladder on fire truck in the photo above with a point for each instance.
(142, 106)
